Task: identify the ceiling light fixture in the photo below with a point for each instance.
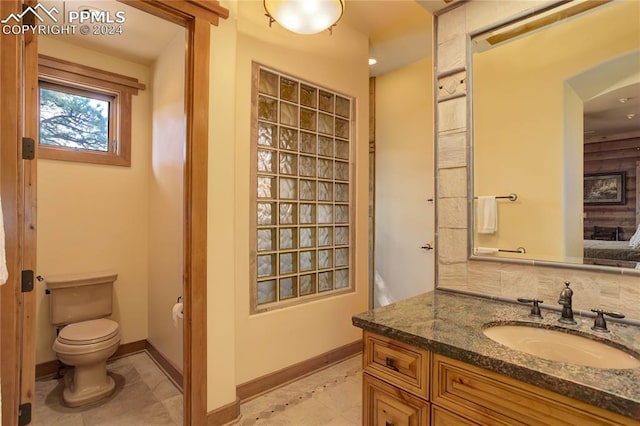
(623, 100)
(630, 116)
(304, 16)
(373, 61)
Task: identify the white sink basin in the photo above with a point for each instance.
(559, 346)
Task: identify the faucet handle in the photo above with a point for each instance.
(535, 309)
(600, 325)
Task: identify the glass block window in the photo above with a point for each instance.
(301, 201)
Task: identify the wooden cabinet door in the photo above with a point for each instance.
(493, 399)
(400, 364)
(442, 417)
(386, 405)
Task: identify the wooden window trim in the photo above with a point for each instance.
(87, 81)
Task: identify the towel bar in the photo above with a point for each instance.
(511, 197)
(520, 250)
(492, 250)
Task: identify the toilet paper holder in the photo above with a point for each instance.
(178, 310)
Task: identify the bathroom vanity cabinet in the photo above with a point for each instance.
(404, 385)
(427, 361)
(395, 382)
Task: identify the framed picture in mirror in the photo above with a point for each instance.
(604, 188)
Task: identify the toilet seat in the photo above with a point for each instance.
(88, 332)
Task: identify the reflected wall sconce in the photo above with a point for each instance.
(304, 16)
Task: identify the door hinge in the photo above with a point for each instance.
(27, 281)
(24, 414)
(28, 149)
(28, 18)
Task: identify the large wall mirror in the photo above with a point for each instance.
(556, 136)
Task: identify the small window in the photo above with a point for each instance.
(85, 113)
(76, 119)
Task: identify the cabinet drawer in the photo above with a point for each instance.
(386, 405)
(400, 364)
(442, 417)
(486, 397)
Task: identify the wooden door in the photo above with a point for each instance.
(18, 85)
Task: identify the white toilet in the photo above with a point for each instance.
(79, 304)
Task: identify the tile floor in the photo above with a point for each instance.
(145, 396)
(330, 397)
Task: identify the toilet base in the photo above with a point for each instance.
(73, 397)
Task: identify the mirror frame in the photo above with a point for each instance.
(470, 164)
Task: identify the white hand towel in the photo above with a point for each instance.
(4, 273)
(485, 250)
(487, 215)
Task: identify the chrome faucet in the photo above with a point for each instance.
(565, 300)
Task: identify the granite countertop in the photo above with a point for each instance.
(451, 324)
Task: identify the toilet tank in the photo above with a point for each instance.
(80, 297)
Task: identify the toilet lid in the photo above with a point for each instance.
(88, 332)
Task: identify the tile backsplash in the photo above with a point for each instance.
(592, 289)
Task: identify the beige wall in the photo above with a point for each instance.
(404, 181)
(613, 291)
(274, 340)
(166, 200)
(573, 166)
(94, 217)
(241, 347)
(539, 155)
(221, 282)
